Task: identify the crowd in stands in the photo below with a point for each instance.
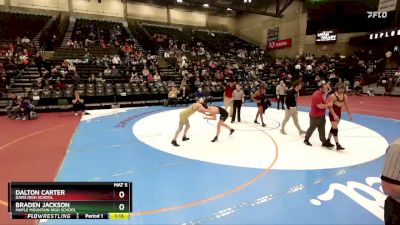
(97, 33)
(203, 63)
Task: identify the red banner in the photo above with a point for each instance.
(279, 44)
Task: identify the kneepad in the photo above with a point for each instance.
(334, 131)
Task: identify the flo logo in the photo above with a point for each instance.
(376, 14)
(356, 191)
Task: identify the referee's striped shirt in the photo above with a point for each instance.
(391, 168)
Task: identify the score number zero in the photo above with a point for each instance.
(121, 194)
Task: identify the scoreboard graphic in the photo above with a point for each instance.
(70, 200)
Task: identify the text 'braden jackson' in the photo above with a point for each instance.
(42, 204)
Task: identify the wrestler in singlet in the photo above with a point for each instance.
(260, 97)
(223, 113)
(337, 107)
(185, 114)
(338, 100)
(184, 120)
(213, 111)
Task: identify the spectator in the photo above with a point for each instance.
(70, 44)
(199, 93)
(145, 72)
(105, 60)
(116, 60)
(25, 40)
(59, 85)
(72, 68)
(107, 71)
(150, 78)
(157, 77)
(22, 110)
(39, 62)
(114, 72)
(13, 107)
(173, 96)
(77, 103)
(184, 94)
(39, 84)
(132, 79)
(100, 78)
(183, 81)
(76, 78)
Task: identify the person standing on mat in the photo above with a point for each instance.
(281, 93)
(184, 120)
(260, 97)
(213, 111)
(390, 180)
(291, 107)
(338, 99)
(238, 100)
(228, 97)
(317, 115)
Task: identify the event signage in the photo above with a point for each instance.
(279, 44)
(326, 36)
(384, 34)
(273, 34)
(387, 5)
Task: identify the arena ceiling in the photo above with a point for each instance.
(272, 8)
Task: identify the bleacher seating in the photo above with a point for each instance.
(13, 25)
(234, 58)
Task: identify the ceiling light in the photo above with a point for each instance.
(206, 5)
(229, 9)
(180, 1)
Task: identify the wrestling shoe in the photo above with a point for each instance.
(185, 139)
(339, 147)
(173, 142)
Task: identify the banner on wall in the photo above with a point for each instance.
(387, 5)
(384, 34)
(273, 34)
(326, 36)
(279, 44)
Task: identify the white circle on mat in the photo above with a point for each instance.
(249, 147)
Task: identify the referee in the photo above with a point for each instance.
(391, 184)
(238, 100)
